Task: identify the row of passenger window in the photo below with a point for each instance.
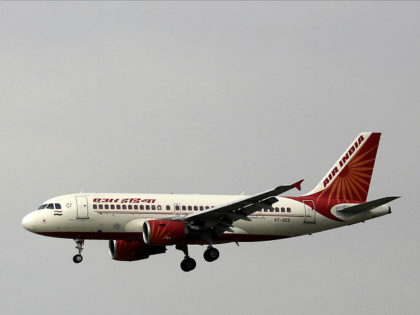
(177, 207)
(149, 207)
(277, 209)
(50, 206)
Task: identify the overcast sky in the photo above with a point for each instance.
(220, 98)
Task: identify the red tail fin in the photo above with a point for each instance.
(349, 178)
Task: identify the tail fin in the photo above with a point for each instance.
(349, 178)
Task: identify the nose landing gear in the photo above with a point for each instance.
(77, 258)
(79, 246)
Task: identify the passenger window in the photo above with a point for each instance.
(153, 207)
(195, 208)
(124, 207)
(147, 207)
(106, 207)
(201, 208)
(130, 207)
(189, 208)
(277, 209)
(118, 207)
(184, 208)
(57, 206)
(289, 210)
(112, 207)
(282, 209)
(100, 207)
(176, 207)
(207, 207)
(265, 210)
(168, 207)
(159, 207)
(94, 206)
(50, 206)
(136, 207)
(141, 207)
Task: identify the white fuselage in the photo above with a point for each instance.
(121, 216)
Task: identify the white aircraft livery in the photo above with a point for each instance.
(140, 225)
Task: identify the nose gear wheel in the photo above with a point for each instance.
(78, 258)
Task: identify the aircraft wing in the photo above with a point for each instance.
(366, 206)
(215, 221)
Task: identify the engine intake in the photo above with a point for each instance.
(161, 232)
(133, 250)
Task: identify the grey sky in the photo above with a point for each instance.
(208, 98)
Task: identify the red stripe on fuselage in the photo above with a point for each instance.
(225, 238)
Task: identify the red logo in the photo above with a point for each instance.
(125, 200)
(343, 161)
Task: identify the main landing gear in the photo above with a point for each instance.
(188, 263)
(79, 245)
(211, 254)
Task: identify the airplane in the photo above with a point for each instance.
(140, 225)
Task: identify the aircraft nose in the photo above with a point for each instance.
(28, 222)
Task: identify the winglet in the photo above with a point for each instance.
(297, 184)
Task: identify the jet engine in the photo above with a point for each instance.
(161, 232)
(133, 250)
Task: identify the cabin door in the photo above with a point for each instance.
(309, 211)
(82, 208)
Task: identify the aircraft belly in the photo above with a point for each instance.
(271, 225)
(285, 225)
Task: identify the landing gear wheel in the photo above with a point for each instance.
(79, 246)
(211, 254)
(77, 258)
(188, 264)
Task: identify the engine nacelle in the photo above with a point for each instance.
(133, 250)
(160, 232)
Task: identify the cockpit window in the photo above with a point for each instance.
(50, 206)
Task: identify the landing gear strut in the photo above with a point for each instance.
(79, 246)
(211, 254)
(188, 263)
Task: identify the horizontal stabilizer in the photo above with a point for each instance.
(366, 206)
